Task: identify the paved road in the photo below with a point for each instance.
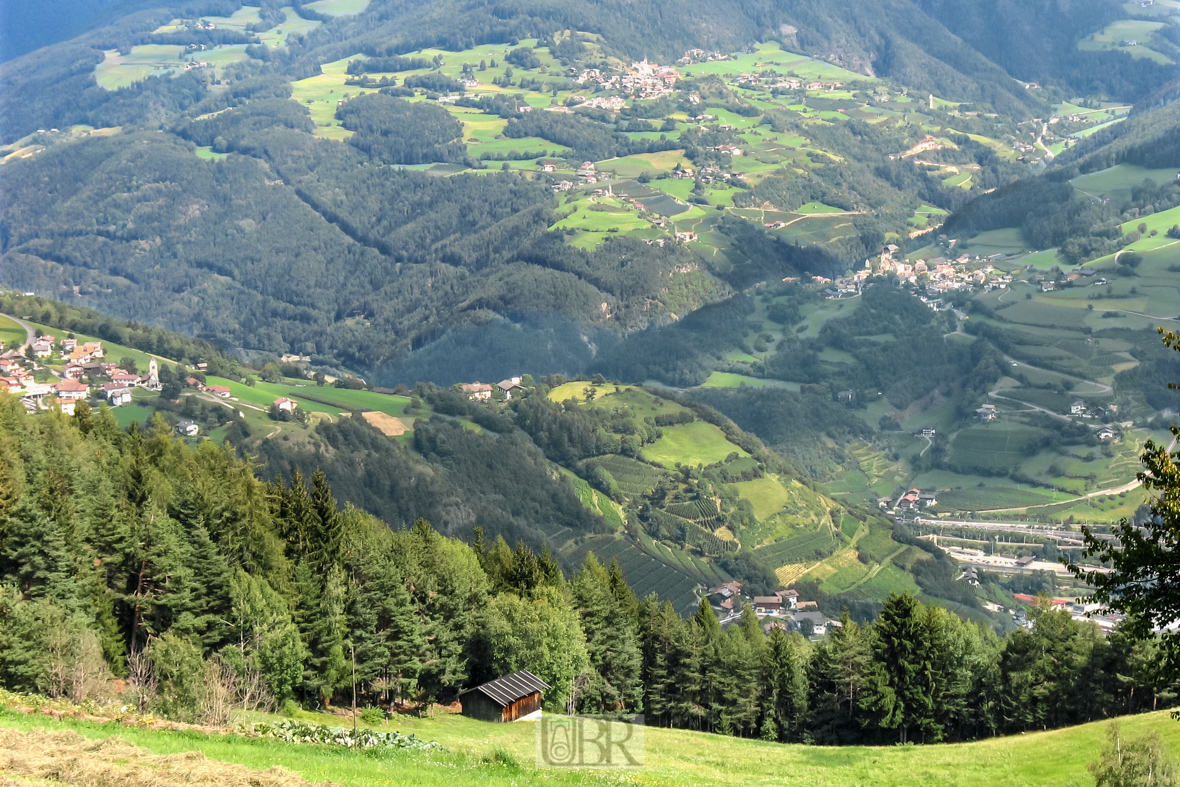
(29, 333)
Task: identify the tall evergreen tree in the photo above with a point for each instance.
(611, 642)
(900, 686)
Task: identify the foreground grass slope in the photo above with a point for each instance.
(482, 754)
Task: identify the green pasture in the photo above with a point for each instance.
(1159, 222)
(339, 7)
(813, 208)
(292, 24)
(698, 443)
(239, 20)
(926, 215)
(767, 495)
(205, 152)
(10, 332)
(117, 70)
(1117, 181)
(346, 399)
(731, 380)
(1119, 35)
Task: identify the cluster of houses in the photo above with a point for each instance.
(482, 392)
(1106, 432)
(644, 80)
(700, 56)
(1106, 620)
(783, 610)
(82, 363)
(777, 82)
(938, 275)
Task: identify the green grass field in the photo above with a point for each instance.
(10, 332)
(698, 443)
(1055, 758)
(767, 495)
(731, 380)
(339, 7)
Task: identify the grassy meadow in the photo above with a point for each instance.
(483, 753)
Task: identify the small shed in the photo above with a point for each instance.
(509, 698)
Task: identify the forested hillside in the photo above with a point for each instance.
(128, 554)
(321, 186)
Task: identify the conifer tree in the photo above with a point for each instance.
(611, 642)
(622, 591)
(327, 522)
(900, 687)
(786, 685)
(323, 631)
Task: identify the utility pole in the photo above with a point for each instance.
(352, 650)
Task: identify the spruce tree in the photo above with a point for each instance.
(899, 689)
(611, 642)
(328, 523)
(786, 686)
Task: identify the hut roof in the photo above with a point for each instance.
(510, 688)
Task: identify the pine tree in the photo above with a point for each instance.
(211, 581)
(611, 642)
(622, 591)
(786, 686)
(900, 684)
(322, 627)
(838, 674)
(328, 523)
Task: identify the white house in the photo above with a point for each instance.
(286, 405)
(116, 394)
(508, 386)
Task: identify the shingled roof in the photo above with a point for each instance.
(510, 688)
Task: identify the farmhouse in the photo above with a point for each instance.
(790, 598)
(477, 391)
(1077, 408)
(816, 621)
(219, 390)
(1106, 433)
(187, 428)
(42, 348)
(508, 386)
(286, 405)
(514, 697)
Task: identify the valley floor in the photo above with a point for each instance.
(487, 754)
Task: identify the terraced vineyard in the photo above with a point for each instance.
(811, 546)
(673, 576)
(634, 478)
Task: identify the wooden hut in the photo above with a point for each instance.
(509, 698)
